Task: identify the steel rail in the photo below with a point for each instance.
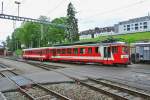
(2, 96)
(130, 91)
(19, 87)
(44, 66)
(57, 95)
(105, 92)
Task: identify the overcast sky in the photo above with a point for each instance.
(90, 13)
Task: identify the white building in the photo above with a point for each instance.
(93, 33)
(141, 24)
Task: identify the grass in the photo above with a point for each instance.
(129, 38)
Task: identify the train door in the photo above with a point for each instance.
(107, 54)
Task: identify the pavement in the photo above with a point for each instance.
(136, 75)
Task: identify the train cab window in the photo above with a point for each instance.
(63, 51)
(82, 50)
(96, 50)
(75, 50)
(69, 51)
(89, 50)
(114, 49)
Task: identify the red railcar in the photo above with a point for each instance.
(108, 53)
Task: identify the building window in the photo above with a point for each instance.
(145, 23)
(145, 27)
(140, 23)
(136, 28)
(124, 25)
(136, 24)
(140, 26)
(128, 27)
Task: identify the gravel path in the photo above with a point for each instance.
(77, 92)
(15, 96)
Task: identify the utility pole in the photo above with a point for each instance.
(18, 3)
(42, 31)
(14, 22)
(2, 7)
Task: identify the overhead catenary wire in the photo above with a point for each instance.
(57, 6)
(113, 10)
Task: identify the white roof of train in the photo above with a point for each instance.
(147, 43)
(115, 43)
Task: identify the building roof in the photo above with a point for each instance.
(141, 44)
(145, 18)
(97, 30)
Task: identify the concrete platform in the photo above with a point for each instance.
(22, 67)
(6, 84)
(47, 77)
(122, 75)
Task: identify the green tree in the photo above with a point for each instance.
(8, 42)
(72, 23)
(57, 30)
(32, 35)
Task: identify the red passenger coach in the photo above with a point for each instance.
(108, 53)
(36, 53)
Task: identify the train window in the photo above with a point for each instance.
(58, 51)
(82, 50)
(89, 50)
(75, 50)
(125, 49)
(114, 49)
(63, 51)
(96, 50)
(107, 52)
(54, 51)
(69, 51)
(47, 51)
(51, 51)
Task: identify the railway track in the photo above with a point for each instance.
(38, 64)
(44, 66)
(34, 91)
(111, 89)
(108, 88)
